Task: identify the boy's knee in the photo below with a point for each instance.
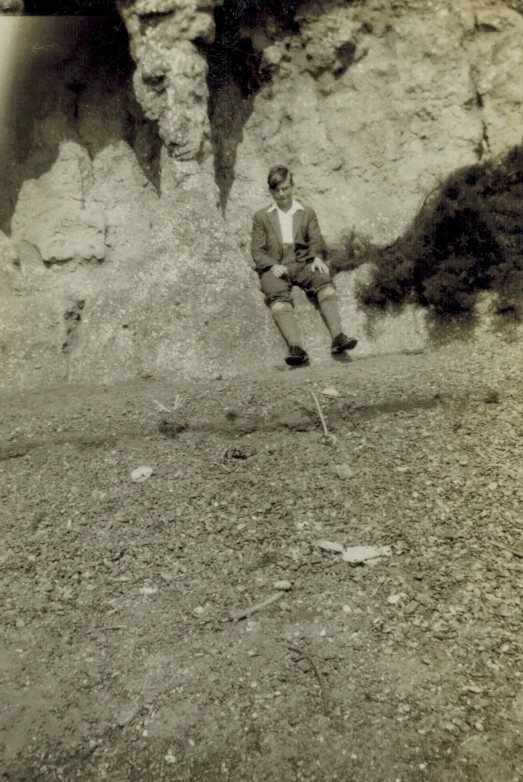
(280, 306)
(326, 293)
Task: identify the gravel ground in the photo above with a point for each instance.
(122, 657)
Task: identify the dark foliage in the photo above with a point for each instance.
(467, 237)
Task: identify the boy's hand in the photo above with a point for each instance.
(279, 269)
(320, 266)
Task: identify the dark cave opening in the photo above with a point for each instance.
(236, 74)
(70, 8)
(70, 65)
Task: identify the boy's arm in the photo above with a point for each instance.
(315, 238)
(260, 256)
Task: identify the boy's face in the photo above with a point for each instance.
(283, 194)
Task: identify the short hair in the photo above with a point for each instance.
(277, 175)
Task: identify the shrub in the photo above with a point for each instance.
(467, 237)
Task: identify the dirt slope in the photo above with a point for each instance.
(119, 659)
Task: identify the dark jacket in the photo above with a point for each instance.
(267, 245)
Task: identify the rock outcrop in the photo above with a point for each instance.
(170, 76)
(373, 105)
(132, 170)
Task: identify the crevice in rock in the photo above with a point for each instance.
(236, 74)
(153, 19)
(72, 8)
(345, 55)
(483, 145)
(73, 318)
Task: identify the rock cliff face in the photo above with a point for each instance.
(137, 148)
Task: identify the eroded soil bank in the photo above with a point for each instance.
(119, 659)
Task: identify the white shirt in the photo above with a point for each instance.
(285, 219)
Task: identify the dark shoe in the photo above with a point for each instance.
(341, 343)
(296, 357)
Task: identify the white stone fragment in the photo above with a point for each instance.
(284, 586)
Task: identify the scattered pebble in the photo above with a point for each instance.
(284, 586)
(141, 474)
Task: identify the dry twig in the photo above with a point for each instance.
(243, 614)
(316, 670)
(162, 407)
(322, 418)
(178, 402)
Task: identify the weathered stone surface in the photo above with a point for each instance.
(10, 275)
(190, 308)
(170, 77)
(53, 212)
(373, 105)
(32, 332)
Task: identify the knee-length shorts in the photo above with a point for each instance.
(300, 274)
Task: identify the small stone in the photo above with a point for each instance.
(147, 590)
(125, 717)
(283, 586)
(492, 398)
(393, 599)
(141, 474)
(343, 471)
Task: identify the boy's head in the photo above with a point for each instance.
(281, 186)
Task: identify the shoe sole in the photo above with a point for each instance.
(296, 361)
(350, 345)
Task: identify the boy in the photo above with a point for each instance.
(287, 249)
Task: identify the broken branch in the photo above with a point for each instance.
(162, 407)
(244, 613)
(322, 418)
(316, 670)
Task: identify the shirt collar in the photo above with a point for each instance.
(296, 206)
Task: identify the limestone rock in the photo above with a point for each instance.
(170, 77)
(9, 262)
(52, 212)
(376, 105)
(31, 335)
(190, 308)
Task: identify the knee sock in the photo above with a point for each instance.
(331, 314)
(288, 326)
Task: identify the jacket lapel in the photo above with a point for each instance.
(274, 222)
(296, 222)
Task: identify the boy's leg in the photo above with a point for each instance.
(321, 287)
(278, 298)
(284, 317)
(328, 304)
